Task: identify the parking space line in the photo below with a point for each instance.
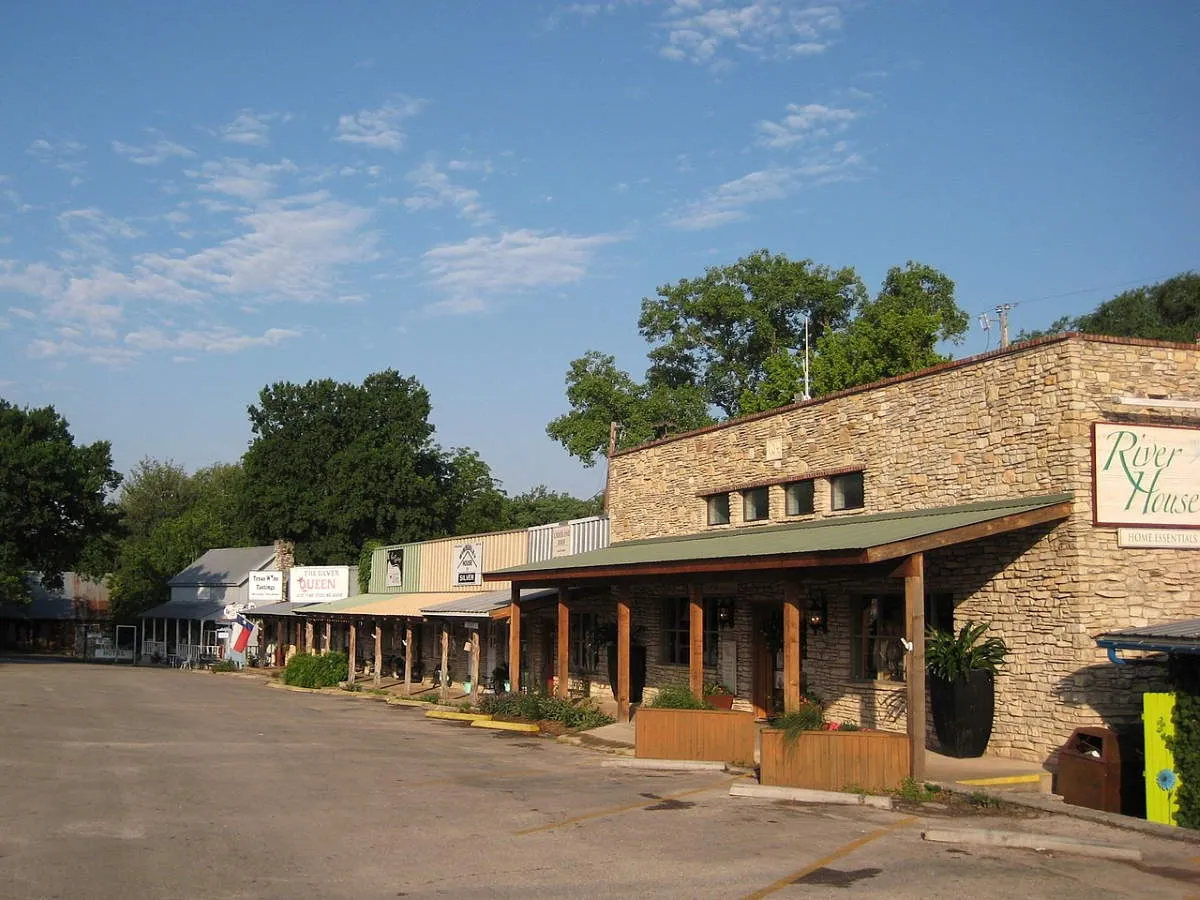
(837, 854)
(628, 807)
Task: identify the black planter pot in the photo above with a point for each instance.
(963, 711)
(637, 671)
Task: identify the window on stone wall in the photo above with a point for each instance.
(846, 491)
(800, 498)
(676, 646)
(876, 627)
(718, 509)
(756, 504)
(585, 652)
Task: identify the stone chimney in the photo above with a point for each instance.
(285, 555)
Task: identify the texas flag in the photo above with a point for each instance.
(246, 628)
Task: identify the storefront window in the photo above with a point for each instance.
(800, 498)
(718, 509)
(846, 491)
(756, 504)
(876, 627)
(676, 632)
(585, 651)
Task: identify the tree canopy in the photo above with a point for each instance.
(1167, 311)
(53, 498)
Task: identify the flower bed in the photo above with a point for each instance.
(835, 759)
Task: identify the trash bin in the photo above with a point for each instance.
(1089, 769)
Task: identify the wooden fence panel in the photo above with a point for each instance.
(834, 760)
(702, 734)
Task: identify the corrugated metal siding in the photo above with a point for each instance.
(412, 569)
(500, 550)
(586, 534)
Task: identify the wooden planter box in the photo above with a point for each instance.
(704, 734)
(834, 760)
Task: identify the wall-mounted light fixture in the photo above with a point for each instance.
(725, 612)
(817, 617)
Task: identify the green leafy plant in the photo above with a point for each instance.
(913, 791)
(716, 689)
(225, 665)
(577, 715)
(1185, 744)
(951, 656)
(809, 717)
(352, 688)
(314, 670)
(676, 696)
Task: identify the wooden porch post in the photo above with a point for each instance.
(308, 636)
(353, 651)
(791, 646)
(328, 635)
(514, 640)
(474, 665)
(445, 682)
(280, 650)
(407, 656)
(564, 632)
(914, 676)
(623, 618)
(696, 639)
(378, 652)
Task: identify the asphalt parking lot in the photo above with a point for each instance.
(118, 782)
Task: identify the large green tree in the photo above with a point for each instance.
(53, 498)
(334, 464)
(1167, 311)
(896, 332)
(542, 506)
(720, 331)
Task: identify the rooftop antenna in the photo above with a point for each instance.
(985, 323)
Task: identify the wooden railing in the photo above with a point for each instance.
(702, 734)
(835, 760)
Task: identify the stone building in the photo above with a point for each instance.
(972, 483)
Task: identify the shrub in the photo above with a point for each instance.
(315, 670)
(225, 665)
(1185, 744)
(575, 715)
(809, 717)
(676, 696)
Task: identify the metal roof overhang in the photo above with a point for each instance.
(1169, 637)
(842, 541)
(406, 605)
(195, 610)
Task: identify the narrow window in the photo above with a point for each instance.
(676, 631)
(800, 498)
(718, 509)
(846, 491)
(876, 627)
(756, 504)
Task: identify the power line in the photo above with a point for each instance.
(1091, 290)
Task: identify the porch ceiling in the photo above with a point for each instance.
(841, 541)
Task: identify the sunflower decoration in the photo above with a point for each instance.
(1166, 780)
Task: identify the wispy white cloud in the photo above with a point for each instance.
(731, 201)
(475, 271)
(378, 128)
(812, 121)
(218, 339)
(250, 128)
(62, 155)
(241, 178)
(153, 154)
(90, 230)
(435, 189)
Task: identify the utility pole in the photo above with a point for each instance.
(807, 392)
(1002, 312)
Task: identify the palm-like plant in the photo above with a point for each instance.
(951, 656)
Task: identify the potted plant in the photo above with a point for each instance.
(718, 696)
(962, 686)
(605, 634)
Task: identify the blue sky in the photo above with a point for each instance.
(199, 199)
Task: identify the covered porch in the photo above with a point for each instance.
(765, 593)
(183, 632)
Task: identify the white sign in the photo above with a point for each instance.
(1146, 475)
(318, 584)
(467, 560)
(1171, 538)
(395, 567)
(560, 541)
(266, 587)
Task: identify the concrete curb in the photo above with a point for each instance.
(1022, 840)
(603, 746)
(489, 722)
(458, 716)
(1053, 803)
(805, 795)
(664, 765)
(419, 704)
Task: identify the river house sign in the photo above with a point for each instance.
(1146, 475)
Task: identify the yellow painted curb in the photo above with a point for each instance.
(404, 701)
(1003, 779)
(473, 718)
(527, 727)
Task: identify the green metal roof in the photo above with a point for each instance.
(837, 535)
(353, 602)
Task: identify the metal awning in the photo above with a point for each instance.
(480, 606)
(1168, 637)
(195, 610)
(832, 541)
(408, 605)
